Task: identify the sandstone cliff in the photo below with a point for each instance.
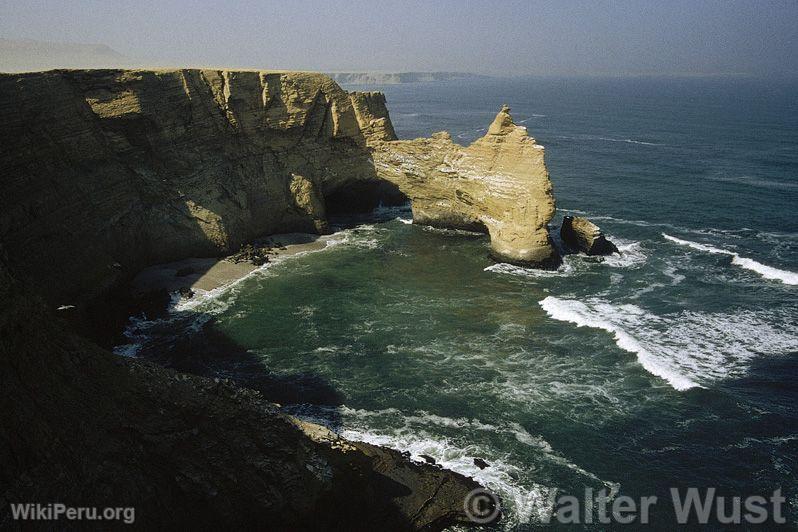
(105, 172)
(498, 184)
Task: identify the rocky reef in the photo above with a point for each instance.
(106, 172)
(580, 234)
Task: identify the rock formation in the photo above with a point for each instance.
(139, 167)
(498, 184)
(84, 427)
(582, 235)
(106, 172)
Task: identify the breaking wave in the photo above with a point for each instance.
(768, 272)
(526, 499)
(687, 349)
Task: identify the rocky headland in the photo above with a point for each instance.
(108, 172)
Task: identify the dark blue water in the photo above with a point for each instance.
(673, 365)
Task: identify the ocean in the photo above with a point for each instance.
(672, 365)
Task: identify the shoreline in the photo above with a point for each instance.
(206, 274)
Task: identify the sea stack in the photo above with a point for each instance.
(583, 235)
(499, 184)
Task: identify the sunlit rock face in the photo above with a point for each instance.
(498, 184)
(108, 171)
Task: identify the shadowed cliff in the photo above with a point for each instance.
(105, 172)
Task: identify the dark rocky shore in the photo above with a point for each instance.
(87, 428)
(108, 172)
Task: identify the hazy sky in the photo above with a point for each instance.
(492, 37)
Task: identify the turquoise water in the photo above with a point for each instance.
(673, 365)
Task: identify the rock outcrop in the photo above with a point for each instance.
(139, 167)
(105, 172)
(498, 184)
(583, 235)
(84, 427)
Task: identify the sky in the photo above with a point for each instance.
(558, 37)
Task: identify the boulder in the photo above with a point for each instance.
(581, 234)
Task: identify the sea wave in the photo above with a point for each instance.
(191, 314)
(743, 232)
(757, 182)
(631, 254)
(510, 269)
(687, 349)
(442, 438)
(768, 272)
(448, 231)
(526, 503)
(607, 139)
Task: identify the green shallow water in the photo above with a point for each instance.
(670, 366)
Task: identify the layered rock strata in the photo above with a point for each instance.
(498, 184)
(108, 171)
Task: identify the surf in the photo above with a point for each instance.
(767, 272)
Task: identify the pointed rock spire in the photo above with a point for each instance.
(503, 123)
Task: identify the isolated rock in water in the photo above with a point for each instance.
(480, 463)
(499, 184)
(583, 235)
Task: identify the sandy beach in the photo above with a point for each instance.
(208, 273)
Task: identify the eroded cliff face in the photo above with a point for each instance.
(499, 184)
(105, 172)
(108, 171)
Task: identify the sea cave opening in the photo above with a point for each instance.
(361, 197)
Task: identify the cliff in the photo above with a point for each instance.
(83, 427)
(499, 184)
(108, 171)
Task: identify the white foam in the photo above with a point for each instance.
(754, 181)
(577, 312)
(631, 254)
(629, 141)
(687, 349)
(527, 500)
(510, 269)
(448, 231)
(768, 272)
(608, 139)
